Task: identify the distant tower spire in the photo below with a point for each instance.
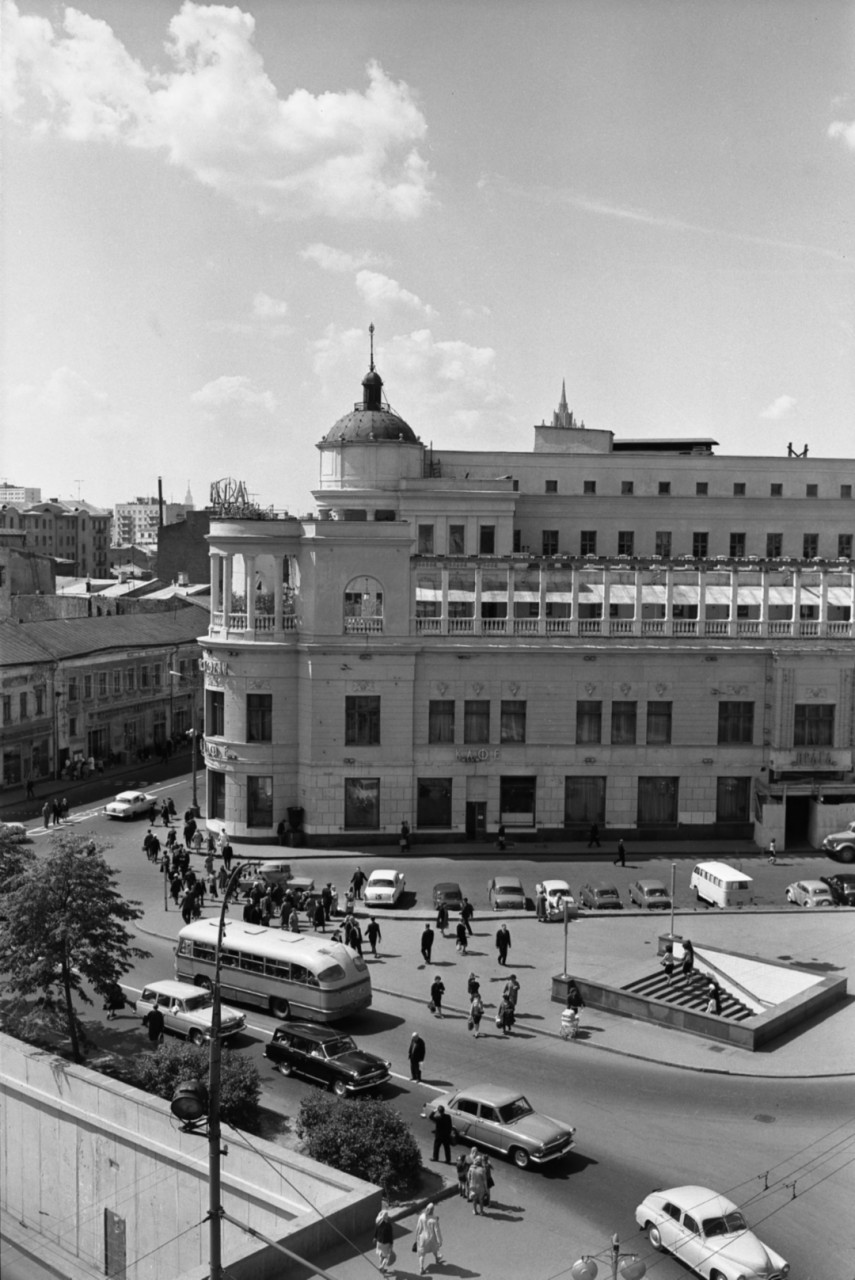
(371, 339)
(188, 497)
(372, 383)
(563, 417)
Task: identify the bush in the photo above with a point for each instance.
(176, 1061)
(367, 1139)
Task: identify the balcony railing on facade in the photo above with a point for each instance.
(741, 629)
(264, 626)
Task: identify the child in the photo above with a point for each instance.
(462, 1175)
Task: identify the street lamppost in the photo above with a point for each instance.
(57, 694)
(179, 675)
(625, 1266)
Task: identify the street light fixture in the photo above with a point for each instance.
(625, 1266)
(179, 675)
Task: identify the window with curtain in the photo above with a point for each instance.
(362, 720)
(259, 806)
(657, 801)
(434, 802)
(624, 721)
(663, 543)
(362, 802)
(584, 801)
(735, 723)
(476, 721)
(733, 799)
(259, 717)
(456, 539)
(589, 722)
(659, 723)
(216, 713)
(513, 722)
(814, 725)
(441, 720)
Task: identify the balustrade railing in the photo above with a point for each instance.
(363, 626)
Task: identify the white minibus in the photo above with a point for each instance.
(299, 974)
(721, 885)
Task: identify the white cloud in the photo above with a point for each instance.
(337, 260)
(380, 290)
(844, 130)
(266, 308)
(216, 114)
(779, 408)
(233, 392)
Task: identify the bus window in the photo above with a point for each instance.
(251, 964)
(278, 969)
(203, 952)
(299, 973)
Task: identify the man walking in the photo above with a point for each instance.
(46, 812)
(621, 854)
(357, 881)
(594, 836)
(372, 933)
(227, 852)
(442, 1131)
(427, 943)
(416, 1055)
(503, 942)
(467, 911)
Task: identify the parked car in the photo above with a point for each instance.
(810, 893)
(187, 1010)
(841, 844)
(132, 804)
(842, 888)
(326, 1057)
(506, 894)
(449, 893)
(15, 832)
(708, 1233)
(650, 894)
(383, 888)
(269, 874)
(600, 896)
(503, 1120)
(557, 892)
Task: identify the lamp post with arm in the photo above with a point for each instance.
(179, 675)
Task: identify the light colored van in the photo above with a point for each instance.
(721, 885)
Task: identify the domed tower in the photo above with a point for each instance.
(369, 448)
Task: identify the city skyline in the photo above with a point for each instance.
(206, 206)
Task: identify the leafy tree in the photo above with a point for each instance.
(63, 925)
(176, 1061)
(14, 856)
(364, 1138)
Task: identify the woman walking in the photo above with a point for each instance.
(384, 1235)
(437, 991)
(476, 1012)
(428, 1237)
(442, 918)
(478, 1189)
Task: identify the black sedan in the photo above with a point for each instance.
(326, 1057)
(841, 887)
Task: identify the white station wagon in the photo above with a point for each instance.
(187, 1010)
(708, 1233)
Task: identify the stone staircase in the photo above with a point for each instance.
(687, 994)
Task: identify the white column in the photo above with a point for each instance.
(574, 602)
(702, 601)
(669, 601)
(541, 599)
(823, 600)
(509, 624)
(278, 572)
(637, 625)
(476, 625)
(249, 580)
(443, 620)
(734, 601)
(764, 608)
(797, 602)
(606, 624)
(227, 589)
(216, 560)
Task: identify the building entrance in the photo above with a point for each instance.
(476, 819)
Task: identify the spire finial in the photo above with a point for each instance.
(371, 333)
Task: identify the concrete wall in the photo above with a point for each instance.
(75, 1144)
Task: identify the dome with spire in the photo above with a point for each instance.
(371, 418)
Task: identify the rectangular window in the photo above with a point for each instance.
(588, 542)
(659, 715)
(487, 540)
(40, 702)
(549, 542)
(512, 727)
(584, 801)
(259, 801)
(156, 675)
(87, 687)
(362, 720)
(117, 683)
(663, 543)
(844, 546)
(517, 801)
(441, 720)
(657, 801)
(624, 723)
(215, 713)
(425, 539)
(627, 488)
(733, 800)
(702, 488)
(810, 545)
(812, 491)
(814, 725)
(362, 803)
(73, 689)
(625, 542)
(259, 717)
(735, 723)
(517, 540)
(23, 711)
(551, 486)
(456, 540)
(737, 544)
(664, 488)
(776, 491)
(774, 545)
(433, 805)
(102, 684)
(144, 677)
(589, 486)
(7, 709)
(476, 721)
(589, 722)
(72, 726)
(216, 795)
(739, 490)
(700, 545)
(130, 679)
(846, 491)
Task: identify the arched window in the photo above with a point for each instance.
(363, 605)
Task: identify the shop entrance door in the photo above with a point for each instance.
(476, 819)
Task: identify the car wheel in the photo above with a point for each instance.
(280, 1008)
(521, 1157)
(653, 1236)
(284, 1068)
(716, 1275)
(847, 854)
(201, 981)
(789, 898)
(339, 1088)
(196, 1038)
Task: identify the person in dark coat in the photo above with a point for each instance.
(442, 1131)
(372, 933)
(437, 991)
(164, 814)
(467, 911)
(155, 1023)
(320, 916)
(326, 899)
(688, 962)
(594, 836)
(114, 1000)
(357, 881)
(442, 918)
(621, 854)
(503, 943)
(427, 943)
(228, 853)
(462, 937)
(187, 907)
(575, 999)
(384, 1236)
(416, 1054)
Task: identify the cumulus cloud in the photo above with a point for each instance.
(338, 260)
(845, 130)
(266, 308)
(380, 290)
(216, 114)
(232, 392)
(779, 408)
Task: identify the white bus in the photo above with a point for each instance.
(721, 885)
(299, 974)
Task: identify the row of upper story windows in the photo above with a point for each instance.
(113, 683)
(31, 703)
(739, 489)
(812, 544)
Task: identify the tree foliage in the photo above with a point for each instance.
(364, 1138)
(176, 1062)
(63, 933)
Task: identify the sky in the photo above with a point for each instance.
(205, 206)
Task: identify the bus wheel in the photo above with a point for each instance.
(280, 1008)
(201, 981)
